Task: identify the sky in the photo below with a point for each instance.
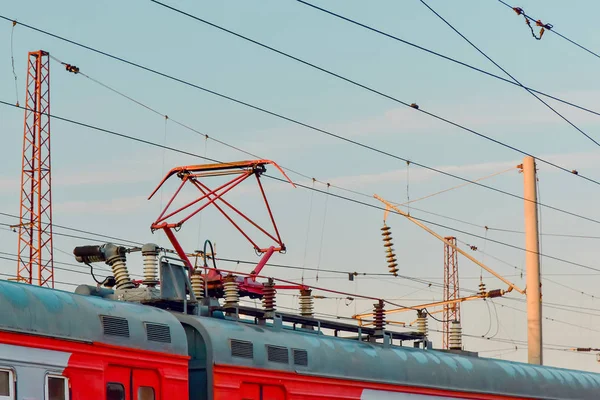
(101, 182)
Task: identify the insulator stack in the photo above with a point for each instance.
(455, 342)
(198, 285)
(115, 257)
(268, 299)
(306, 303)
(494, 293)
(231, 290)
(422, 323)
(389, 250)
(482, 289)
(150, 254)
(379, 315)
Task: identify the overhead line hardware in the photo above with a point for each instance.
(464, 64)
(550, 28)
(539, 23)
(510, 75)
(511, 286)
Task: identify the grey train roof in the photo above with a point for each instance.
(350, 359)
(42, 311)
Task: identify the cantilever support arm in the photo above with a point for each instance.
(511, 285)
(487, 295)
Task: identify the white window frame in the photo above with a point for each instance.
(65, 380)
(11, 384)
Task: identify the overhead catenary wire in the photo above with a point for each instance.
(544, 277)
(563, 307)
(370, 205)
(509, 74)
(297, 122)
(433, 169)
(12, 60)
(365, 87)
(554, 319)
(437, 54)
(207, 137)
(121, 240)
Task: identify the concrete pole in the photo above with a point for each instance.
(532, 258)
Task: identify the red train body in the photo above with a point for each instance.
(61, 346)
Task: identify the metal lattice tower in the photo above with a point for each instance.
(35, 224)
(451, 290)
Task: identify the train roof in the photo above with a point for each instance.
(42, 311)
(233, 342)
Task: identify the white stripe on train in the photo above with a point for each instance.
(368, 394)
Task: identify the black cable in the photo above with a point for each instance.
(554, 31)
(464, 64)
(435, 318)
(333, 194)
(68, 235)
(305, 124)
(391, 155)
(354, 142)
(438, 225)
(208, 243)
(297, 172)
(92, 273)
(507, 73)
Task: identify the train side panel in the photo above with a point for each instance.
(89, 370)
(242, 383)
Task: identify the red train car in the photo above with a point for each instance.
(61, 346)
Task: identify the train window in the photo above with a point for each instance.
(6, 385)
(115, 391)
(57, 388)
(145, 393)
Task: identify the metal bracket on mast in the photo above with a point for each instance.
(389, 206)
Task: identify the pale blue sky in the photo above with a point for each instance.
(100, 182)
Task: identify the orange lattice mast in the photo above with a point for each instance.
(451, 290)
(35, 225)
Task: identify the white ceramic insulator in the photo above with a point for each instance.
(306, 306)
(455, 340)
(119, 268)
(422, 325)
(150, 268)
(232, 295)
(198, 285)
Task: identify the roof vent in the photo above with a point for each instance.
(242, 349)
(115, 326)
(158, 333)
(278, 354)
(300, 357)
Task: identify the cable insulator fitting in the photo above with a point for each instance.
(72, 68)
(455, 339)
(415, 106)
(150, 254)
(494, 293)
(306, 303)
(268, 299)
(198, 284)
(518, 10)
(422, 323)
(482, 290)
(388, 245)
(231, 292)
(379, 315)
